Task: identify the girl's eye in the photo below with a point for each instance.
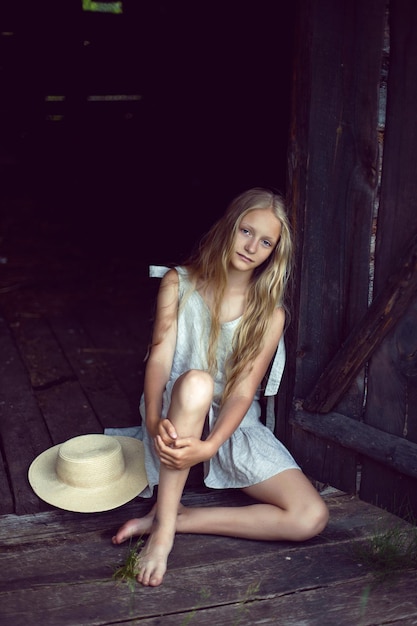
(245, 231)
(266, 243)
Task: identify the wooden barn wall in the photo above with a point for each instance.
(346, 186)
(333, 183)
(392, 388)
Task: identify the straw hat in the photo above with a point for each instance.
(90, 473)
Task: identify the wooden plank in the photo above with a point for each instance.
(89, 364)
(390, 450)
(138, 319)
(385, 311)
(333, 164)
(40, 351)
(323, 460)
(120, 348)
(23, 431)
(397, 215)
(47, 562)
(67, 411)
(337, 162)
(56, 567)
(347, 603)
(91, 597)
(42, 545)
(392, 384)
(389, 489)
(6, 499)
(349, 518)
(102, 600)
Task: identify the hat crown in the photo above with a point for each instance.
(90, 461)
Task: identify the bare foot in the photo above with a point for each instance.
(135, 527)
(152, 560)
(138, 526)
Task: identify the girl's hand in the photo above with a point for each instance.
(164, 428)
(167, 432)
(182, 453)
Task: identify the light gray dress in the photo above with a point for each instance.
(252, 453)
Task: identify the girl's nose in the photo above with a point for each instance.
(250, 246)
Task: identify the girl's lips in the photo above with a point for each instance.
(245, 258)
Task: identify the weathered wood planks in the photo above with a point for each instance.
(56, 570)
(392, 380)
(386, 310)
(333, 180)
(60, 377)
(389, 450)
(23, 430)
(352, 175)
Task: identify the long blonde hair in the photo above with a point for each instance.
(208, 267)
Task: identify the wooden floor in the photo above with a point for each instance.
(56, 569)
(73, 334)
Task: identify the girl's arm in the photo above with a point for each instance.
(187, 451)
(159, 364)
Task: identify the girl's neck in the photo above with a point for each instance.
(238, 281)
(234, 298)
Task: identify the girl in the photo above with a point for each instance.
(218, 322)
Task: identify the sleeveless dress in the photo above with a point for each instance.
(252, 454)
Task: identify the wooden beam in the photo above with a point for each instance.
(394, 452)
(382, 315)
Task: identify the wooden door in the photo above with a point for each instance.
(352, 180)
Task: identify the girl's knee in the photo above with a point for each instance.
(199, 381)
(195, 387)
(313, 520)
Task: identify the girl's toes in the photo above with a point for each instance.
(126, 531)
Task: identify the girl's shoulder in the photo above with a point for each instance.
(169, 275)
(169, 278)
(177, 278)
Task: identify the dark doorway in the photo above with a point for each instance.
(206, 113)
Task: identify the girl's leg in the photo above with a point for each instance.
(289, 509)
(190, 402)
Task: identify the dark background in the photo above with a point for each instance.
(141, 178)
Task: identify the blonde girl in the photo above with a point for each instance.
(219, 320)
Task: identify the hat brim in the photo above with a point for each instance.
(45, 483)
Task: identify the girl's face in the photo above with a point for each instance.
(258, 234)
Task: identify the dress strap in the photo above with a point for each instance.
(158, 271)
